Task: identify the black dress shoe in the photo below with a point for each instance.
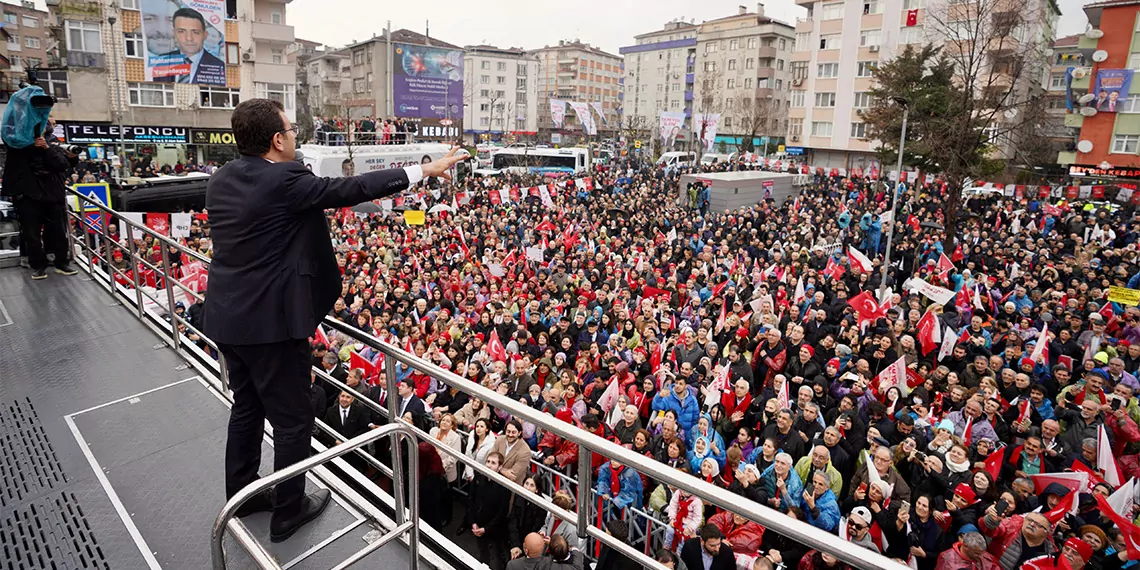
(259, 503)
(311, 507)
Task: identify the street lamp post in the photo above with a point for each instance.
(116, 104)
(902, 102)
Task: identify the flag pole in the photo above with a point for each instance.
(894, 195)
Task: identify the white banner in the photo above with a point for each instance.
(584, 116)
(597, 105)
(535, 253)
(180, 225)
(557, 112)
(933, 292)
(705, 126)
(671, 123)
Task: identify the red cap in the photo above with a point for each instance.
(1081, 547)
(963, 490)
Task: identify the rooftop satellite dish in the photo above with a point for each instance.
(1094, 33)
(1087, 97)
(1080, 73)
(1099, 55)
(1088, 111)
(1085, 146)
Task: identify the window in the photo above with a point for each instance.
(233, 54)
(485, 65)
(858, 130)
(779, 65)
(33, 62)
(833, 11)
(868, 38)
(520, 83)
(798, 98)
(130, 4)
(501, 66)
(825, 99)
(728, 102)
(728, 122)
(872, 7)
(484, 93)
(750, 63)
(30, 22)
(31, 42)
(710, 66)
(911, 34)
(748, 83)
(282, 93)
(358, 85)
(732, 65)
(484, 79)
(913, 4)
(962, 30)
(151, 94)
(133, 45)
(12, 18)
(795, 126)
(484, 107)
(783, 44)
(751, 43)
(521, 70)
(500, 80)
(820, 129)
(829, 41)
(219, 97)
(826, 70)
(710, 47)
(484, 121)
(862, 100)
(866, 69)
(733, 44)
(732, 84)
(83, 36)
(15, 60)
(1134, 61)
(779, 84)
(1057, 81)
(1125, 144)
(14, 43)
(358, 57)
(799, 70)
(1129, 105)
(277, 56)
(803, 40)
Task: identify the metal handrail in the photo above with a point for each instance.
(587, 442)
(227, 521)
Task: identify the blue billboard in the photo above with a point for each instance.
(427, 82)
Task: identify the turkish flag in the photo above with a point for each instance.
(944, 264)
(1130, 531)
(357, 361)
(496, 198)
(495, 347)
(928, 329)
(1068, 505)
(866, 306)
(1072, 480)
(833, 269)
(1050, 562)
(993, 462)
(654, 292)
(546, 226)
(894, 376)
(912, 17)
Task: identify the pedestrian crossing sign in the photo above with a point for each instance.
(94, 193)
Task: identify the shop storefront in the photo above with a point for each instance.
(158, 145)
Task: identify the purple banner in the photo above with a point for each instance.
(427, 82)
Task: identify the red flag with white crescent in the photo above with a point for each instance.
(928, 329)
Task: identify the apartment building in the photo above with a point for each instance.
(96, 71)
(501, 93)
(374, 90)
(576, 71)
(839, 45)
(743, 72)
(659, 75)
(26, 38)
(327, 82)
(1065, 55)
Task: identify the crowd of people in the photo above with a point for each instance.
(368, 130)
(993, 428)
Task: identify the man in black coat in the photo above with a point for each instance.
(273, 277)
(708, 543)
(487, 508)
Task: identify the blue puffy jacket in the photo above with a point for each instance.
(687, 412)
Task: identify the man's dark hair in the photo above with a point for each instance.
(618, 529)
(516, 423)
(190, 13)
(255, 122)
(559, 548)
(710, 532)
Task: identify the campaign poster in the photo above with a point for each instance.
(1111, 88)
(671, 123)
(427, 82)
(705, 125)
(557, 115)
(184, 41)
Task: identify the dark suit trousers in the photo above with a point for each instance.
(269, 381)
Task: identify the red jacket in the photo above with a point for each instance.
(953, 559)
(745, 539)
(728, 400)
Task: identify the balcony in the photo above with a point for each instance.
(1066, 157)
(86, 59)
(276, 33)
(767, 52)
(567, 61)
(688, 96)
(1074, 120)
(689, 78)
(274, 73)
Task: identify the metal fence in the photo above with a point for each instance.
(144, 280)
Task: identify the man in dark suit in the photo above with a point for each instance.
(190, 35)
(409, 401)
(708, 544)
(348, 420)
(487, 506)
(273, 277)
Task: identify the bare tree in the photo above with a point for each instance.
(756, 117)
(633, 127)
(971, 93)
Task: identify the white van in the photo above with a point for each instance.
(711, 158)
(334, 160)
(674, 158)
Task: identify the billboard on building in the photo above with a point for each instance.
(184, 41)
(427, 82)
(1111, 88)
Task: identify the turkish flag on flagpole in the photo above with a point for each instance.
(1042, 344)
(721, 320)
(1104, 459)
(495, 347)
(928, 329)
(944, 264)
(800, 294)
(949, 339)
(609, 398)
(863, 261)
(1130, 531)
(993, 462)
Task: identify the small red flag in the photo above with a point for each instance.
(993, 462)
(912, 17)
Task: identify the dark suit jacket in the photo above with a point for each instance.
(210, 66)
(415, 406)
(274, 274)
(691, 556)
(358, 420)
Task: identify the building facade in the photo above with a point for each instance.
(839, 45)
(1108, 143)
(743, 72)
(500, 94)
(98, 52)
(659, 75)
(576, 71)
(27, 39)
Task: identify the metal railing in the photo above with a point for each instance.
(96, 246)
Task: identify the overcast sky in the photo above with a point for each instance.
(608, 24)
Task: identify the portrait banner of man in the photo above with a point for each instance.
(184, 41)
(1110, 88)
